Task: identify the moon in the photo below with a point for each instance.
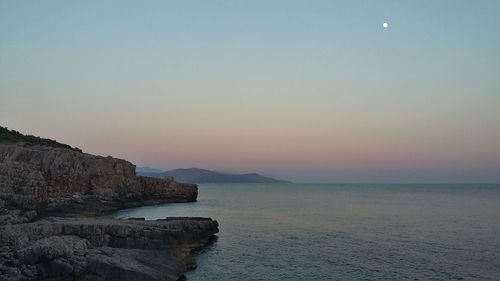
(385, 25)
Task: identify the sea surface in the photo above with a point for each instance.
(345, 232)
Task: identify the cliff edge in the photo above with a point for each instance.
(50, 197)
(62, 181)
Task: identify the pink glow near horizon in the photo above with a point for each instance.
(305, 91)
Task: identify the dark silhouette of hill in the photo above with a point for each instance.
(196, 175)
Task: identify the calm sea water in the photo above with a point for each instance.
(345, 232)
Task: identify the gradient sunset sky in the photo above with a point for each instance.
(311, 91)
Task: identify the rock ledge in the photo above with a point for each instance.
(49, 200)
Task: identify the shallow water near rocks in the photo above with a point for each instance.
(345, 232)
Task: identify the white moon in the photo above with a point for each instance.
(385, 25)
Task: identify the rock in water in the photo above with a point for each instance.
(101, 249)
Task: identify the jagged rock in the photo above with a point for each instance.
(61, 180)
(36, 181)
(115, 264)
(13, 216)
(101, 249)
(50, 248)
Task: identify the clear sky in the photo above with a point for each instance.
(314, 91)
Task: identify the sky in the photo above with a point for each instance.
(310, 91)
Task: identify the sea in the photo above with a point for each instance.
(344, 231)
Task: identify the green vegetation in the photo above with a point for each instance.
(12, 136)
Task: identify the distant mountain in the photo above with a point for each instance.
(196, 175)
(148, 170)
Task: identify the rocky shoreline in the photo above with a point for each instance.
(51, 228)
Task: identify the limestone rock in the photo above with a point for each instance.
(60, 180)
(100, 249)
(37, 181)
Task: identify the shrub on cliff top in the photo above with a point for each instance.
(13, 136)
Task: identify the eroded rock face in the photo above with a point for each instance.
(59, 180)
(36, 181)
(101, 249)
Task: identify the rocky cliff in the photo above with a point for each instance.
(101, 249)
(59, 180)
(39, 182)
